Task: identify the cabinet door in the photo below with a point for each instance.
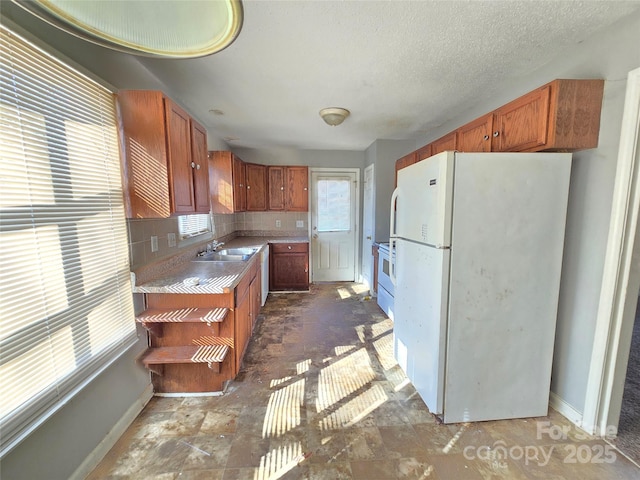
(255, 293)
(448, 142)
(256, 177)
(200, 167)
(289, 266)
(523, 123)
(476, 136)
(239, 188)
(297, 189)
(221, 181)
(243, 329)
(276, 187)
(179, 158)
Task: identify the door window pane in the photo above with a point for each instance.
(334, 205)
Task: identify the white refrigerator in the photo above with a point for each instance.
(479, 241)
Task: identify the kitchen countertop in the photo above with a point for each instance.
(214, 277)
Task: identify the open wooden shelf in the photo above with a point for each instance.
(212, 355)
(154, 318)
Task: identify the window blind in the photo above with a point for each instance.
(66, 308)
(192, 225)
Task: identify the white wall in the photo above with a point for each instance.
(383, 154)
(294, 156)
(609, 55)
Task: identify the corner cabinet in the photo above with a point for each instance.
(227, 182)
(164, 157)
(289, 266)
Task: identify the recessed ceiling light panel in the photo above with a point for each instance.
(171, 28)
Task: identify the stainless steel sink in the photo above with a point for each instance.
(228, 255)
(237, 251)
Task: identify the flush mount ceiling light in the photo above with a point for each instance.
(334, 115)
(171, 28)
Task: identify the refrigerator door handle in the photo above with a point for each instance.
(392, 238)
(392, 260)
(392, 219)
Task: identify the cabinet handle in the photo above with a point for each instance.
(496, 133)
(248, 187)
(305, 189)
(193, 164)
(198, 167)
(289, 247)
(485, 138)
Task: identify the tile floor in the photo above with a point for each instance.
(320, 397)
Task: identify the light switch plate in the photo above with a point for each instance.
(154, 243)
(278, 223)
(300, 223)
(171, 239)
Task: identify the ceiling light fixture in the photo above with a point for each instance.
(169, 29)
(334, 115)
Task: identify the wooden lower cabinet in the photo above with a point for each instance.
(197, 341)
(289, 266)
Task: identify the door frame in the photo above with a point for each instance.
(312, 191)
(369, 276)
(620, 280)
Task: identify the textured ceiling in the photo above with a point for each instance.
(400, 67)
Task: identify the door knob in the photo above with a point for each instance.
(315, 235)
(369, 238)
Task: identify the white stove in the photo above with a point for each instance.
(385, 287)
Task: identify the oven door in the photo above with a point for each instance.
(384, 269)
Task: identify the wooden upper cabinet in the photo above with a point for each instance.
(226, 182)
(522, 124)
(448, 142)
(256, 180)
(275, 182)
(563, 115)
(297, 189)
(200, 169)
(239, 185)
(475, 136)
(158, 140)
(423, 153)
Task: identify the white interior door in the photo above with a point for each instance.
(333, 225)
(368, 223)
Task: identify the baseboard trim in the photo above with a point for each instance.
(565, 409)
(98, 453)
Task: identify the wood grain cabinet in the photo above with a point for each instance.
(560, 116)
(227, 182)
(197, 341)
(164, 161)
(448, 142)
(288, 188)
(256, 181)
(275, 187)
(297, 189)
(476, 136)
(289, 266)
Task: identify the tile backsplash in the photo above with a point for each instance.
(245, 223)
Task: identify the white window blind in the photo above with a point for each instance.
(66, 309)
(192, 225)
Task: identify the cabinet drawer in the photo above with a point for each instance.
(290, 247)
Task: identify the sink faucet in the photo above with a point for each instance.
(215, 245)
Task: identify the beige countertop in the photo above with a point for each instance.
(213, 277)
